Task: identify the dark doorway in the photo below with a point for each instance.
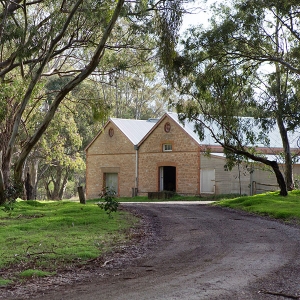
(168, 178)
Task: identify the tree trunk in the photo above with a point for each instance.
(280, 91)
(272, 164)
(2, 185)
(33, 171)
(48, 192)
(5, 170)
(56, 182)
(81, 195)
(2, 197)
(288, 172)
(63, 186)
(24, 153)
(280, 179)
(95, 60)
(59, 185)
(28, 187)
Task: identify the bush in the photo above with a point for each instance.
(13, 191)
(109, 203)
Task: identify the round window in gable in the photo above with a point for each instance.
(167, 127)
(111, 132)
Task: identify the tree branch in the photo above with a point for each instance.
(68, 87)
(35, 80)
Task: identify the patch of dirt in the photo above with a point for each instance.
(184, 252)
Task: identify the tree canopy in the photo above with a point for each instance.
(77, 41)
(246, 63)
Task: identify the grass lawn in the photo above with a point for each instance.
(37, 237)
(271, 204)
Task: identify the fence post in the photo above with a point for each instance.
(134, 192)
(81, 194)
(253, 187)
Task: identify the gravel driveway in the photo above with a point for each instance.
(196, 252)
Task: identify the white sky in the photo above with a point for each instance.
(200, 14)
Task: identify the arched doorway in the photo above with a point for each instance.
(167, 178)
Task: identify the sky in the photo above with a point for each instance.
(199, 16)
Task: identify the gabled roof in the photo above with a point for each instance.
(189, 128)
(138, 130)
(135, 130)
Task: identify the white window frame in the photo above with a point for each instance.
(167, 147)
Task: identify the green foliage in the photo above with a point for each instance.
(109, 203)
(13, 191)
(8, 206)
(242, 65)
(61, 147)
(168, 25)
(45, 47)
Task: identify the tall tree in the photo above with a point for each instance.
(218, 99)
(27, 54)
(45, 38)
(257, 37)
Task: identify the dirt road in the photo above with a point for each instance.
(199, 252)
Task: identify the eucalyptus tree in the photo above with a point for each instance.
(59, 149)
(58, 158)
(40, 39)
(259, 42)
(135, 93)
(218, 99)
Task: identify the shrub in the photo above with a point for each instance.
(109, 203)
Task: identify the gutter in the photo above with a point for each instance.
(135, 192)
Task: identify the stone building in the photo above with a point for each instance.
(142, 156)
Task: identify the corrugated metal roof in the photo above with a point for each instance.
(273, 135)
(189, 127)
(268, 156)
(135, 130)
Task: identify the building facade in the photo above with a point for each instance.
(137, 157)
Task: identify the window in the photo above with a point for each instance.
(111, 181)
(167, 147)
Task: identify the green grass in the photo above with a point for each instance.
(34, 273)
(271, 204)
(4, 282)
(40, 235)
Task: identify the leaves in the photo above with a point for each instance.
(109, 204)
(48, 49)
(243, 65)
